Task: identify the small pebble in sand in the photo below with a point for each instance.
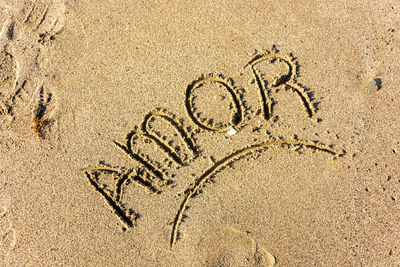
(232, 131)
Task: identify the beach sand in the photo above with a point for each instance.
(199, 133)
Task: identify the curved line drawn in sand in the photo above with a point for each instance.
(7, 234)
(193, 190)
(162, 143)
(289, 79)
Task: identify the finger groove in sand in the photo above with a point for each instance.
(219, 165)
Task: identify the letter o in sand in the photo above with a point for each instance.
(213, 104)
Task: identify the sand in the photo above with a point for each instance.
(199, 133)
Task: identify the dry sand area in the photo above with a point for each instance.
(199, 133)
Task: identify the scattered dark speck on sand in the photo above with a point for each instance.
(378, 82)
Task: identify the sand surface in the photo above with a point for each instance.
(199, 133)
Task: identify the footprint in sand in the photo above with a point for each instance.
(226, 246)
(28, 30)
(45, 18)
(8, 75)
(7, 234)
(42, 114)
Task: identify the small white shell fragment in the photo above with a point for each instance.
(232, 131)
